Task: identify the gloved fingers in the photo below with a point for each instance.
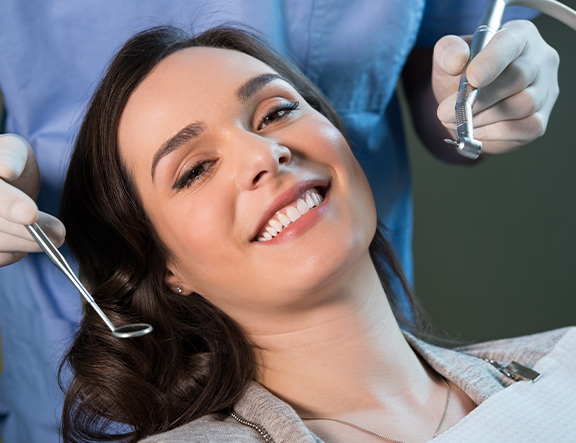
(519, 81)
(504, 48)
(18, 165)
(524, 129)
(19, 185)
(16, 206)
(517, 42)
(506, 136)
(517, 77)
(508, 125)
(12, 243)
(14, 247)
(518, 106)
(516, 58)
(13, 155)
(534, 71)
(53, 228)
(16, 241)
(7, 258)
(451, 54)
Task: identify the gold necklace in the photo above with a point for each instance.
(381, 437)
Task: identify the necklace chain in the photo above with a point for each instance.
(382, 437)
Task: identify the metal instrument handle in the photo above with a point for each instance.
(56, 257)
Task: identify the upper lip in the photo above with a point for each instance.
(287, 197)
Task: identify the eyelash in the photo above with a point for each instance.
(281, 110)
(192, 175)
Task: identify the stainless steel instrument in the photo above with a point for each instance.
(127, 331)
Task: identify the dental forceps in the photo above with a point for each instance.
(490, 22)
(127, 331)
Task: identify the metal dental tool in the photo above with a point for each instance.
(127, 331)
(491, 20)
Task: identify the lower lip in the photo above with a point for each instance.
(301, 225)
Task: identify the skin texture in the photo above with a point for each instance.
(209, 227)
(310, 300)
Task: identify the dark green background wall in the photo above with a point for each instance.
(495, 244)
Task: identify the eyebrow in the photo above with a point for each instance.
(183, 136)
(243, 93)
(253, 85)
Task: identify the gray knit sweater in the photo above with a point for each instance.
(261, 417)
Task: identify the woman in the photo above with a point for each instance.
(213, 194)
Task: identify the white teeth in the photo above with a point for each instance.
(302, 206)
(275, 224)
(284, 220)
(293, 213)
(309, 200)
(289, 214)
(273, 232)
(317, 199)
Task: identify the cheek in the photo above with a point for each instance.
(320, 138)
(325, 143)
(330, 145)
(198, 235)
(347, 229)
(361, 209)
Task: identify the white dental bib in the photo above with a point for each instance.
(540, 411)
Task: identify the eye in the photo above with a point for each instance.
(194, 174)
(278, 113)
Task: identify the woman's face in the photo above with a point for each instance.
(256, 196)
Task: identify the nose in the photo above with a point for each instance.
(258, 159)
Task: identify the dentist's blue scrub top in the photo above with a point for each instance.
(52, 53)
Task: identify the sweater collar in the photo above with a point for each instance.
(477, 378)
(261, 407)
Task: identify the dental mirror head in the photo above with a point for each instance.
(127, 331)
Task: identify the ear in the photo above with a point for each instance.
(177, 284)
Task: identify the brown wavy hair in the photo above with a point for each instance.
(197, 361)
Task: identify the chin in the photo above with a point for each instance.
(314, 276)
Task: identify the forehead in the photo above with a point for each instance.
(192, 84)
(199, 71)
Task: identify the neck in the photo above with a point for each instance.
(347, 355)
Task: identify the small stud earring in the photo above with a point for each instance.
(179, 289)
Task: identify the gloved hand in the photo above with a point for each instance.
(19, 186)
(518, 74)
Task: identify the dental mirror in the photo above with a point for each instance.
(135, 330)
(127, 331)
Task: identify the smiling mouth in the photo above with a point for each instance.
(308, 200)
